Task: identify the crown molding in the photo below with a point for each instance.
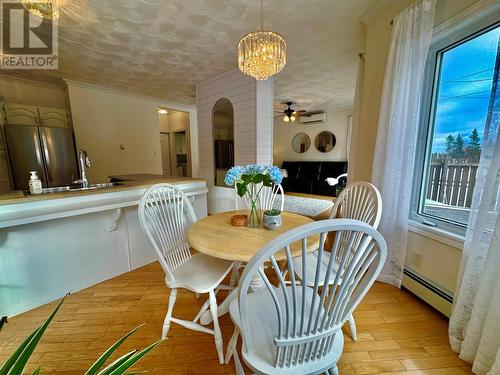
(157, 101)
(375, 8)
(480, 9)
(32, 82)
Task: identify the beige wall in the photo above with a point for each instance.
(173, 121)
(284, 132)
(104, 119)
(440, 261)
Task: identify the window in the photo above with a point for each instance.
(457, 92)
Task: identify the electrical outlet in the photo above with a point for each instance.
(416, 258)
(122, 146)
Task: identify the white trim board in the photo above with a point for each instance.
(437, 234)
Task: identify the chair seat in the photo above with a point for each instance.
(311, 261)
(201, 273)
(262, 317)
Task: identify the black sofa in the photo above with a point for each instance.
(309, 176)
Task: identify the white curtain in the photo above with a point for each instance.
(475, 321)
(393, 162)
(354, 130)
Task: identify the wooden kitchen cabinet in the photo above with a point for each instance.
(21, 114)
(54, 117)
(4, 169)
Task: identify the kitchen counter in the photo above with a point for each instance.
(124, 183)
(19, 209)
(54, 243)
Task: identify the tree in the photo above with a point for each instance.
(473, 149)
(458, 147)
(450, 143)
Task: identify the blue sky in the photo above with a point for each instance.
(464, 90)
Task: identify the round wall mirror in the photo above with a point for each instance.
(301, 143)
(325, 141)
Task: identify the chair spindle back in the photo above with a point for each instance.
(165, 213)
(309, 317)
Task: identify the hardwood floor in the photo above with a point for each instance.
(398, 334)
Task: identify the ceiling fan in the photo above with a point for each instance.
(289, 114)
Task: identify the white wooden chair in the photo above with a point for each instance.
(360, 201)
(267, 198)
(165, 213)
(296, 328)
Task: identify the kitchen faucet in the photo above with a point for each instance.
(84, 162)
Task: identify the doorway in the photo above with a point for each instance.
(174, 143)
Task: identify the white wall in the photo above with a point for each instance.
(103, 119)
(253, 121)
(285, 131)
(252, 104)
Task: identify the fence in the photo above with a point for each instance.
(452, 183)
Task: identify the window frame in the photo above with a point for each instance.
(442, 41)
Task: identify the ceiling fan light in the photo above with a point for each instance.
(286, 118)
(292, 118)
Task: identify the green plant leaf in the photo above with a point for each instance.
(246, 178)
(258, 178)
(12, 359)
(117, 363)
(100, 361)
(22, 357)
(241, 188)
(267, 180)
(136, 357)
(37, 371)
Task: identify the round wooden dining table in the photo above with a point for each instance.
(215, 236)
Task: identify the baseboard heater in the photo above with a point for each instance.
(428, 291)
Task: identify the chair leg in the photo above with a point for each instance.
(232, 351)
(217, 333)
(231, 346)
(352, 328)
(166, 322)
(235, 275)
(334, 371)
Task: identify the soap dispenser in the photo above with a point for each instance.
(35, 184)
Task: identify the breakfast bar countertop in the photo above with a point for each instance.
(124, 182)
(17, 208)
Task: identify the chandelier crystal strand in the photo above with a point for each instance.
(261, 54)
(47, 9)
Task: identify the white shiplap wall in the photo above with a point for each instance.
(253, 119)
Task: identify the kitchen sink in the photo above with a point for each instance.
(94, 186)
(61, 189)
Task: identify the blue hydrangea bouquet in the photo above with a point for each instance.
(249, 181)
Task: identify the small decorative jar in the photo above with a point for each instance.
(272, 219)
(34, 183)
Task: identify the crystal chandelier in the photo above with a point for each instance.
(47, 9)
(261, 54)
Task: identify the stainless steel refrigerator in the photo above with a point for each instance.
(49, 151)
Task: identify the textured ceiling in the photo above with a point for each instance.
(162, 48)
